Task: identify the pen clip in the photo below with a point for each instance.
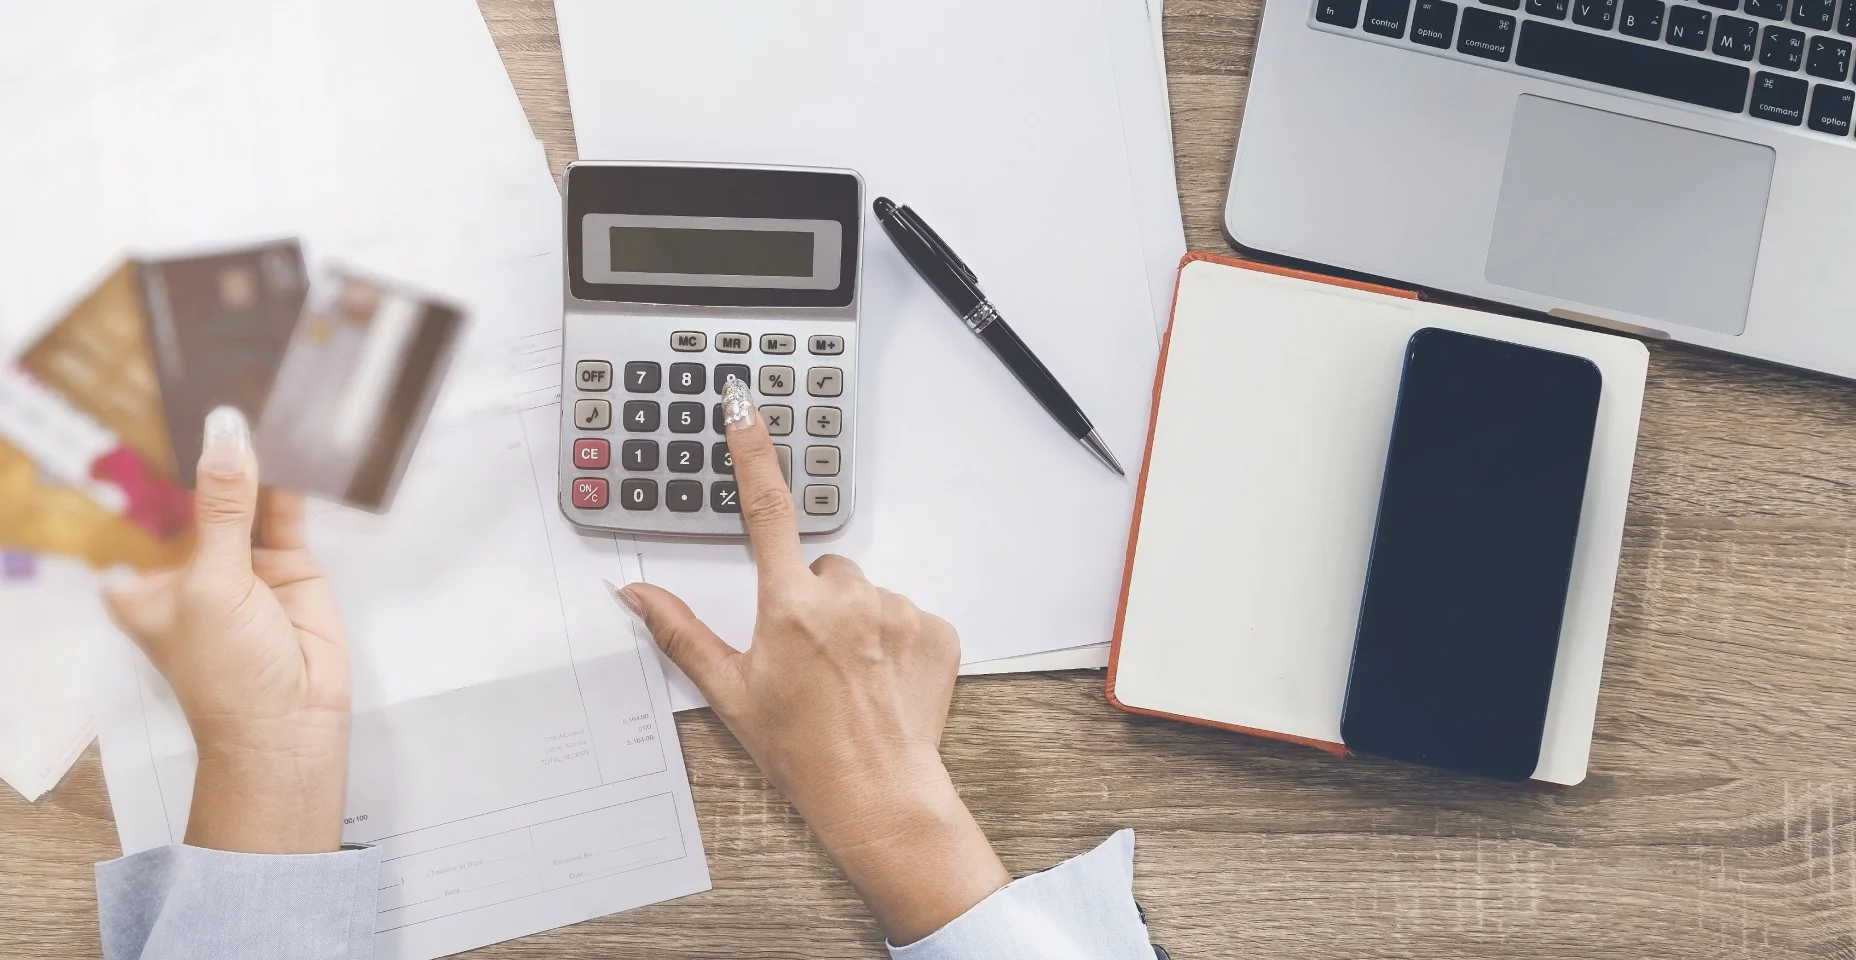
(934, 241)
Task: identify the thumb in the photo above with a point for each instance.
(142, 606)
(687, 641)
(225, 497)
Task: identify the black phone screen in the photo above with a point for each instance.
(1472, 555)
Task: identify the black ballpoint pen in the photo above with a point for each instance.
(960, 289)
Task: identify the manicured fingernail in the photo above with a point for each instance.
(626, 598)
(737, 408)
(227, 443)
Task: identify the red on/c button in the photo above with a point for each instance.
(591, 454)
(590, 493)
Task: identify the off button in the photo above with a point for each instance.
(593, 375)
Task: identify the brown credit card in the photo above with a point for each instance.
(357, 382)
(218, 325)
(41, 516)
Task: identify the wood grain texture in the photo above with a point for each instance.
(1719, 820)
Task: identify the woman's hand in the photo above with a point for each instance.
(840, 701)
(248, 636)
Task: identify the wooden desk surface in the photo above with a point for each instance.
(1719, 819)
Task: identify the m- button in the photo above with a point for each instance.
(593, 375)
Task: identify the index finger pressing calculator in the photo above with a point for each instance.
(677, 277)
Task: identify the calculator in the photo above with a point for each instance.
(679, 276)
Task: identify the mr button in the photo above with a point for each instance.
(593, 375)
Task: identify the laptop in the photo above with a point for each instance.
(1668, 168)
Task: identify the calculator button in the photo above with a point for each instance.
(593, 414)
(591, 454)
(725, 370)
(715, 420)
(825, 345)
(641, 376)
(723, 460)
(593, 375)
(590, 493)
(640, 455)
(686, 418)
(685, 457)
(824, 421)
(779, 419)
(683, 496)
(723, 497)
(825, 381)
(785, 453)
(687, 377)
(776, 381)
(776, 343)
(638, 493)
(733, 342)
(822, 461)
(821, 499)
(640, 415)
(689, 341)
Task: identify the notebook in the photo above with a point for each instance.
(1254, 519)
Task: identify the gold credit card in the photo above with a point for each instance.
(45, 517)
(357, 382)
(97, 358)
(218, 326)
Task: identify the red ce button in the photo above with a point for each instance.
(592, 454)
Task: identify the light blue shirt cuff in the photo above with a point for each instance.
(178, 901)
(1081, 909)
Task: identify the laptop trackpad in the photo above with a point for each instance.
(1642, 217)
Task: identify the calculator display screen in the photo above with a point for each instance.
(737, 253)
(684, 251)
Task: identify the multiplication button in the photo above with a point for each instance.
(824, 421)
(779, 419)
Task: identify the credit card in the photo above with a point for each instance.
(97, 358)
(218, 326)
(41, 515)
(356, 385)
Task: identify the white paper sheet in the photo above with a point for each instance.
(51, 623)
(1032, 135)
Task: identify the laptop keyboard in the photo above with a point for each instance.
(1784, 61)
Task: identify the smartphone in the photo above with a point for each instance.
(1472, 555)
